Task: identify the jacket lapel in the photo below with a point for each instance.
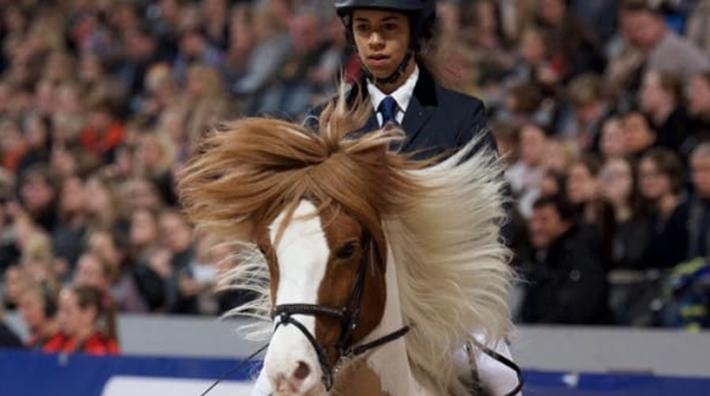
(421, 107)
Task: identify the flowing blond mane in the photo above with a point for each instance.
(453, 271)
(440, 222)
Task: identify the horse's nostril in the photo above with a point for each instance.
(302, 371)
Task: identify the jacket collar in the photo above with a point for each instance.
(421, 107)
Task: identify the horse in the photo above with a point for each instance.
(370, 268)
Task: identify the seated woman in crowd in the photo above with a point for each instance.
(592, 211)
(639, 134)
(82, 309)
(38, 308)
(660, 183)
(618, 187)
(611, 141)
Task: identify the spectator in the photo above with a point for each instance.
(38, 309)
(206, 100)
(216, 18)
(154, 157)
(101, 204)
(38, 195)
(177, 238)
(13, 145)
(628, 233)
(38, 259)
(698, 27)
(150, 262)
(268, 55)
(9, 251)
(575, 49)
(699, 217)
(698, 99)
(15, 280)
(93, 271)
(599, 14)
(590, 111)
(141, 52)
(611, 143)
(559, 154)
(661, 98)
(593, 212)
(103, 131)
(660, 183)
(139, 193)
(663, 49)
(534, 65)
(639, 135)
(68, 236)
(290, 93)
(124, 288)
(197, 280)
(8, 338)
(37, 137)
(195, 48)
(161, 92)
(567, 273)
(82, 309)
(525, 175)
(583, 190)
(553, 183)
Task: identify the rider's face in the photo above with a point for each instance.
(382, 40)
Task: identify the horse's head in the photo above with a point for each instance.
(327, 288)
(314, 205)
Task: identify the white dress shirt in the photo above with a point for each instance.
(402, 95)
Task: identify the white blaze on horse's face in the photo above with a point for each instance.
(302, 254)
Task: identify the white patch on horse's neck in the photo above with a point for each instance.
(390, 361)
(302, 255)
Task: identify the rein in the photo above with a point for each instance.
(348, 318)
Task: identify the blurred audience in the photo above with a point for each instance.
(600, 108)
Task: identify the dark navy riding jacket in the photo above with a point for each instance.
(437, 119)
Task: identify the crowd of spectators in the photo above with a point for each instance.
(601, 109)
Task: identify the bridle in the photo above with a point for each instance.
(348, 316)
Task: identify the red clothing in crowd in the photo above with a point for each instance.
(97, 344)
(100, 143)
(12, 158)
(55, 343)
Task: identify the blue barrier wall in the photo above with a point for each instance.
(36, 374)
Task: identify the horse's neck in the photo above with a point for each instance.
(388, 365)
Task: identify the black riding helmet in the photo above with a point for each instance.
(422, 16)
(344, 6)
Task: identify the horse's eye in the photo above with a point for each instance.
(346, 251)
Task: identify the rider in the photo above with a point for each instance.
(391, 38)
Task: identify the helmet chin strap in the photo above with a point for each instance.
(392, 77)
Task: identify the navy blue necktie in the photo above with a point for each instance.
(388, 109)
